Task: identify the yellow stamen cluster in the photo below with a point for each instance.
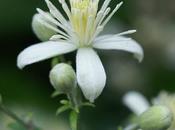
(83, 14)
(81, 4)
(85, 20)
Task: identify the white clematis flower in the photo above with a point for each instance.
(136, 102)
(80, 33)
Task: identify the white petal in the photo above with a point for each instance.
(112, 13)
(90, 73)
(42, 51)
(136, 102)
(112, 42)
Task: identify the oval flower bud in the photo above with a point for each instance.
(155, 118)
(63, 78)
(41, 28)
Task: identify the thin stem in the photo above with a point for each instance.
(57, 60)
(72, 100)
(75, 99)
(62, 58)
(28, 126)
(74, 114)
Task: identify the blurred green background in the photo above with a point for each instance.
(29, 90)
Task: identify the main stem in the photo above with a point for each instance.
(75, 100)
(28, 126)
(72, 100)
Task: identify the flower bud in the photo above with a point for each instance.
(63, 78)
(41, 29)
(155, 118)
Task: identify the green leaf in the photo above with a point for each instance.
(55, 94)
(73, 120)
(16, 126)
(88, 104)
(62, 109)
(64, 102)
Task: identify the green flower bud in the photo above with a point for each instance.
(63, 78)
(155, 118)
(41, 29)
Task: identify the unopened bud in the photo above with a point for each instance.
(41, 29)
(63, 78)
(155, 118)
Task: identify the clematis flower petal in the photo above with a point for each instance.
(114, 42)
(136, 102)
(90, 73)
(42, 51)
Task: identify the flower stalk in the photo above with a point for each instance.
(27, 125)
(74, 100)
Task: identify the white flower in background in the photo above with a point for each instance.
(136, 102)
(80, 33)
(139, 104)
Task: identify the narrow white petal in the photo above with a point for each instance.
(50, 19)
(103, 37)
(42, 51)
(127, 32)
(66, 8)
(90, 73)
(110, 42)
(112, 13)
(110, 38)
(47, 16)
(105, 5)
(55, 12)
(136, 102)
(58, 37)
(104, 15)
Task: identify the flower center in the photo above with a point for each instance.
(82, 4)
(83, 14)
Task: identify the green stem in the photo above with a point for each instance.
(73, 120)
(28, 126)
(62, 58)
(75, 99)
(57, 60)
(72, 100)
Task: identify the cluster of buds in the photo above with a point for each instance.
(158, 116)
